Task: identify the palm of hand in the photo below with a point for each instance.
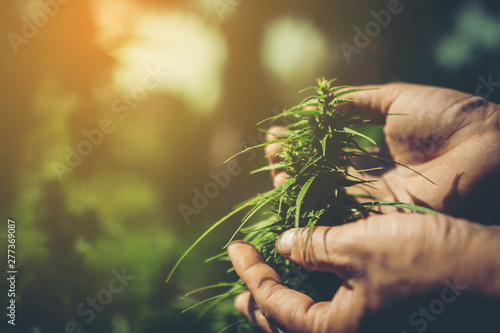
(448, 136)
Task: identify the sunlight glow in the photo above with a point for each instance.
(192, 53)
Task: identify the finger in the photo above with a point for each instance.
(288, 309)
(385, 99)
(379, 100)
(273, 149)
(327, 249)
(272, 153)
(274, 133)
(404, 97)
(245, 304)
(280, 178)
(343, 315)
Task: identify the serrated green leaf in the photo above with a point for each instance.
(300, 198)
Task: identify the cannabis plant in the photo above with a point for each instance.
(318, 148)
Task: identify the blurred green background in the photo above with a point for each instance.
(117, 114)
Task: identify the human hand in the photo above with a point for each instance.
(451, 137)
(383, 261)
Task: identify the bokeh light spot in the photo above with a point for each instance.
(191, 52)
(475, 30)
(294, 50)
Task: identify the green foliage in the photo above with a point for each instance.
(317, 151)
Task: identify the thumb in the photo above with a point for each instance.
(327, 249)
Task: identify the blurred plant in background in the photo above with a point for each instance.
(114, 111)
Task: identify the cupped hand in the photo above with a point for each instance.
(451, 137)
(382, 259)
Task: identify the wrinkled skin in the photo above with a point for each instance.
(395, 265)
(451, 137)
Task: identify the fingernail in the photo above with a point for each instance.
(230, 245)
(285, 242)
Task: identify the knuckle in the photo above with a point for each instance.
(307, 255)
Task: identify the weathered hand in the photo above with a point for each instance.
(384, 260)
(451, 137)
(390, 262)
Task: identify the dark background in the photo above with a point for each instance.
(230, 64)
